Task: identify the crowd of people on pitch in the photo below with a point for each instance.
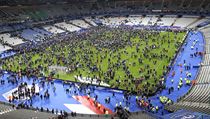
(101, 41)
(98, 47)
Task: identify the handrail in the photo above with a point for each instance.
(44, 110)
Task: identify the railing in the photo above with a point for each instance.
(89, 115)
(147, 113)
(69, 114)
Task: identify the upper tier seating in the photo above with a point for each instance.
(197, 23)
(184, 22)
(134, 20)
(80, 23)
(68, 27)
(149, 20)
(53, 29)
(42, 31)
(11, 40)
(91, 21)
(113, 21)
(166, 21)
(32, 35)
(4, 48)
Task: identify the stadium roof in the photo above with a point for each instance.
(35, 2)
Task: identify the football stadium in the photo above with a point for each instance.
(104, 59)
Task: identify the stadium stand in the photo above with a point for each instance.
(90, 21)
(42, 31)
(134, 20)
(31, 35)
(153, 20)
(56, 15)
(203, 76)
(80, 23)
(184, 21)
(4, 48)
(53, 29)
(149, 20)
(192, 106)
(141, 114)
(198, 93)
(206, 33)
(113, 21)
(145, 20)
(5, 109)
(193, 25)
(67, 27)
(206, 59)
(28, 114)
(11, 40)
(205, 28)
(5, 28)
(166, 21)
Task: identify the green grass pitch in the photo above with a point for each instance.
(150, 48)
